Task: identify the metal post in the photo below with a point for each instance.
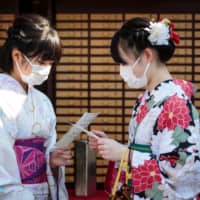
(85, 179)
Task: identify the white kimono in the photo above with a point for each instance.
(26, 116)
(165, 139)
(164, 133)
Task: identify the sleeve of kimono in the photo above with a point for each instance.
(10, 182)
(56, 178)
(176, 145)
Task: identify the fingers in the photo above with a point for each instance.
(67, 155)
(93, 143)
(103, 141)
(61, 157)
(62, 149)
(66, 160)
(109, 149)
(101, 134)
(94, 147)
(105, 154)
(62, 153)
(103, 145)
(92, 140)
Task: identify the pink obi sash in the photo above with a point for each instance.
(30, 154)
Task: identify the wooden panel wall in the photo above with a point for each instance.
(5, 22)
(87, 79)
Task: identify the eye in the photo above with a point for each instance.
(46, 62)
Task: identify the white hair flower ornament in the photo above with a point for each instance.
(161, 32)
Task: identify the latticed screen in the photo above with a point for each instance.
(87, 79)
(5, 22)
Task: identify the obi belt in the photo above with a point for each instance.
(30, 154)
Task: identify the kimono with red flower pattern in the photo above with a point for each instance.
(166, 120)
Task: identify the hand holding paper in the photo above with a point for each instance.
(93, 141)
(77, 128)
(89, 133)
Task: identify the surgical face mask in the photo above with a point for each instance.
(38, 75)
(126, 72)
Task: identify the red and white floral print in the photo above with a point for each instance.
(145, 175)
(187, 87)
(175, 113)
(169, 124)
(142, 112)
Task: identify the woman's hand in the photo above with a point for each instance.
(93, 141)
(60, 157)
(110, 149)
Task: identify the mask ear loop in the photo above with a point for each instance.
(136, 62)
(18, 67)
(29, 62)
(147, 67)
(27, 59)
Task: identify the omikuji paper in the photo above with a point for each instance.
(74, 131)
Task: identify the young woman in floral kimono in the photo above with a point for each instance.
(164, 137)
(30, 166)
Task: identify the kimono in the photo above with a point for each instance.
(27, 136)
(165, 138)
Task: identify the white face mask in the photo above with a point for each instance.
(38, 75)
(126, 72)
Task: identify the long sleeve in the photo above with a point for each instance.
(10, 182)
(25, 116)
(56, 183)
(177, 146)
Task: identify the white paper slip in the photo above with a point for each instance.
(75, 130)
(89, 133)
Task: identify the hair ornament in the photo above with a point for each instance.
(161, 32)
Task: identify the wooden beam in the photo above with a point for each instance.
(141, 6)
(8, 6)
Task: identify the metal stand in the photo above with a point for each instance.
(85, 179)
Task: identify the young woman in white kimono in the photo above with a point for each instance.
(164, 137)
(30, 166)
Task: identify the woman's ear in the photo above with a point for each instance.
(148, 55)
(16, 56)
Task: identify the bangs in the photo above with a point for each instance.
(114, 48)
(49, 48)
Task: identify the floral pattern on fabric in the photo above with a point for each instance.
(172, 159)
(175, 113)
(142, 112)
(166, 120)
(145, 175)
(187, 87)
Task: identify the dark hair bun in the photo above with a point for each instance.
(19, 35)
(165, 52)
(33, 35)
(134, 33)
